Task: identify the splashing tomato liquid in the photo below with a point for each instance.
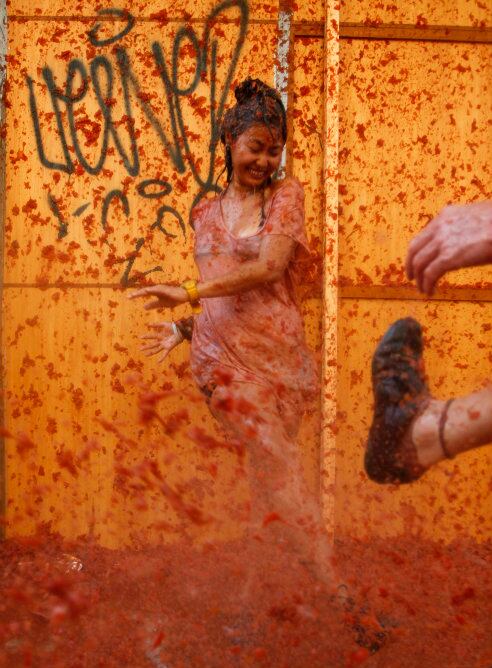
(243, 602)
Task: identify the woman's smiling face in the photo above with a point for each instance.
(256, 155)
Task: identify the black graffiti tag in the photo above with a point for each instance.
(102, 74)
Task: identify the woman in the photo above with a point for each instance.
(248, 352)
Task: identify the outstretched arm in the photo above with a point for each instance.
(275, 254)
(166, 336)
(460, 236)
(185, 327)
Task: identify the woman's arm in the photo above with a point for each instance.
(185, 327)
(163, 340)
(275, 254)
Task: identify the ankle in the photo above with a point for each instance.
(425, 434)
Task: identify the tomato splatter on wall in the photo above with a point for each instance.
(131, 509)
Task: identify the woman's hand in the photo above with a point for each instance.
(163, 340)
(460, 236)
(168, 296)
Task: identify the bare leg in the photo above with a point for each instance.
(411, 431)
(468, 425)
(282, 508)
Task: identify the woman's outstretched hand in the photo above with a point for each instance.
(163, 340)
(168, 296)
(460, 236)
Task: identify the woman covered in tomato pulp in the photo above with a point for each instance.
(248, 352)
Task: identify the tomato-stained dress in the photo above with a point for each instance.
(256, 336)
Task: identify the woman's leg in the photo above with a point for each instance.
(468, 425)
(412, 431)
(283, 510)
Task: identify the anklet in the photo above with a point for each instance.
(442, 424)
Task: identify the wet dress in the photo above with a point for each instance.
(255, 337)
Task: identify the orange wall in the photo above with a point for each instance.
(415, 134)
(70, 333)
(403, 126)
(445, 12)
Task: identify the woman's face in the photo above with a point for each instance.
(256, 155)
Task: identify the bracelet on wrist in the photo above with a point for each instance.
(192, 292)
(177, 331)
(185, 326)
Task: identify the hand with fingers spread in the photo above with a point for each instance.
(168, 296)
(460, 236)
(163, 340)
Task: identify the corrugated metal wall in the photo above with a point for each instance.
(415, 134)
(111, 136)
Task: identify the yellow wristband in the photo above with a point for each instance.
(193, 298)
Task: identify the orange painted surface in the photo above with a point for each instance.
(74, 353)
(177, 11)
(453, 499)
(418, 12)
(89, 253)
(72, 335)
(415, 134)
(307, 165)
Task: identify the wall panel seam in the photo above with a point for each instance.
(411, 294)
(403, 32)
(21, 18)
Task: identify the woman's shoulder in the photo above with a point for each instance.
(290, 185)
(204, 203)
(288, 192)
(200, 209)
(289, 181)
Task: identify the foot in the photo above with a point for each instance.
(400, 395)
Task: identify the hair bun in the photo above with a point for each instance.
(256, 102)
(248, 89)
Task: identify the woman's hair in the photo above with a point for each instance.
(255, 103)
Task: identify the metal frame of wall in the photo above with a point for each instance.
(3, 71)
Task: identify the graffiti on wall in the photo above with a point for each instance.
(103, 74)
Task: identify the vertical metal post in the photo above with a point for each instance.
(3, 72)
(330, 266)
(281, 68)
